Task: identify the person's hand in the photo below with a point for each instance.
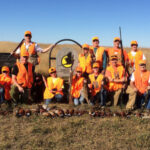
(11, 53)
(135, 89)
(90, 86)
(20, 89)
(148, 88)
(124, 79)
(85, 81)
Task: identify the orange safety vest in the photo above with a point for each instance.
(50, 85)
(134, 60)
(114, 73)
(24, 77)
(85, 63)
(98, 80)
(6, 81)
(31, 49)
(141, 80)
(112, 51)
(77, 85)
(99, 55)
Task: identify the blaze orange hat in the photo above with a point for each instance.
(95, 38)
(28, 32)
(134, 43)
(51, 70)
(96, 65)
(5, 68)
(79, 69)
(24, 54)
(114, 57)
(141, 62)
(85, 46)
(116, 39)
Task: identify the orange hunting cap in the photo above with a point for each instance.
(28, 32)
(95, 38)
(51, 70)
(5, 68)
(134, 43)
(79, 69)
(142, 62)
(116, 39)
(24, 54)
(85, 46)
(96, 65)
(114, 57)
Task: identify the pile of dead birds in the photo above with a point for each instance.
(53, 112)
(59, 112)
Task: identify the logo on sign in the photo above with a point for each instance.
(67, 60)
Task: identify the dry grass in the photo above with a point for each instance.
(43, 67)
(38, 132)
(84, 132)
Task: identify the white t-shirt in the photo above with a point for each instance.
(133, 53)
(37, 48)
(132, 78)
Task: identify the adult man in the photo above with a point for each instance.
(135, 56)
(22, 77)
(139, 85)
(5, 84)
(98, 53)
(54, 87)
(116, 78)
(32, 48)
(95, 83)
(85, 60)
(116, 50)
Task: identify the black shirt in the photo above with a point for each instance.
(15, 69)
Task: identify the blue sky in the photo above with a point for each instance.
(52, 20)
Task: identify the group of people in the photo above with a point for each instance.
(100, 72)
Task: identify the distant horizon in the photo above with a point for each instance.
(72, 43)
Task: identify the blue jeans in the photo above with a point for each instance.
(101, 97)
(79, 100)
(57, 97)
(140, 100)
(2, 95)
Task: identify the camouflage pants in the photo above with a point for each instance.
(19, 97)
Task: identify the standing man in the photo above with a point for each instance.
(22, 78)
(116, 79)
(85, 61)
(116, 50)
(139, 86)
(135, 56)
(32, 48)
(98, 53)
(95, 83)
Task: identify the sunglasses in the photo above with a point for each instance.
(53, 72)
(95, 40)
(117, 41)
(79, 72)
(133, 45)
(28, 35)
(142, 65)
(5, 71)
(86, 49)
